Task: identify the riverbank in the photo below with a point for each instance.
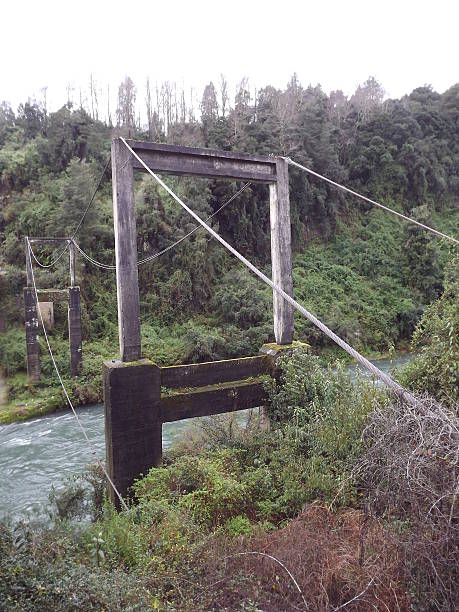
(231, 502)
(33, 401)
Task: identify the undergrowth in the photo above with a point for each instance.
(235, 506)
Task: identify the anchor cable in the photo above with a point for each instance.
(386, 379)
(362, 197)
(90, 444)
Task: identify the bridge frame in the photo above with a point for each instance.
(70, 295)
(138, 395)
(189, 161)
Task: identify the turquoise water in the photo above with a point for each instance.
(39, 453)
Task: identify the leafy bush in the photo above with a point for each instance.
(208, 486)
(12, 351)
(435, 369)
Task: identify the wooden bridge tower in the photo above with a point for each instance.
(31, 315)
(134, 408)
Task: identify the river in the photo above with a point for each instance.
(41, 452)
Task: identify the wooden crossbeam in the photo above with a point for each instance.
(209, 163)
(213, 399)
(43, 239)
(214, 372)
(53, 295)
(213, 387)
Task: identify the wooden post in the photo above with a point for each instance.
(127, 280)
(281, 253)
(75, 335)
(28, 262)
(31, 326)
(72, 263)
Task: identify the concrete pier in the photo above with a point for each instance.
(133, 425)
(31, 326)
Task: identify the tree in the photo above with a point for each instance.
(224, 97)
(154, 124)
(7, 121)
(209, 110)
(421, 265)
(76, 192)
(209, 104)
(32, 118)
(125, 111)
(367, 98)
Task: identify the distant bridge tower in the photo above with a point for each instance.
(49, 296)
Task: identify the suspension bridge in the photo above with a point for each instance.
(135, 408)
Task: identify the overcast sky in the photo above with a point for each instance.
(403, 43)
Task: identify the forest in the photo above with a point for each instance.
(364, 273)
(353, 492)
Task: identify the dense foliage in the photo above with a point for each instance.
(198, 527)
(335, 491)
(364, 273)
(223, 486)
(435, 369)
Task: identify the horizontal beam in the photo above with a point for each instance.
(213, 399)
(209, 163)
(53, 295)
(214, 372)
(43, 239)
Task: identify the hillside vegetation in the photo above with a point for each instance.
(363, 272)
(350, 500)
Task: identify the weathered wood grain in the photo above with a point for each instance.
(127, 280)
(281, 253)
(209, 163)
(214, 372)
(133, 428)
(213, 399)
(28, 263)
(72, 263)
(75, 335)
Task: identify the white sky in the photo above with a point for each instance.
(403, 43)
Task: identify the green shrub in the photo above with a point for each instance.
(435, 370)
(13, 351)
(207, 486)
(238, 525)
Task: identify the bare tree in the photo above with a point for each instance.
(91, 93)
(44, 94)
(94, 100)
(109, 115)
(223, 94)
(182, 106)
(191, 115)
(149, 108)
(367, 98)
(70, 90)
(125, 112)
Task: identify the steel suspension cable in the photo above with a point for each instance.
(171, 246)
(90, 444)
(79, 224)
(362, 197)
(195, 229)
(386, 379)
